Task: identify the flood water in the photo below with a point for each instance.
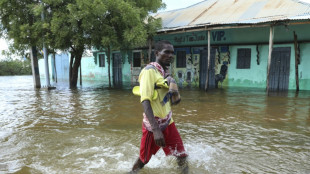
(96, 130)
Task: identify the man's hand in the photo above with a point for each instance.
(159, 138)
(158, 135)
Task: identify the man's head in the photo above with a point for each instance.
(164, 53)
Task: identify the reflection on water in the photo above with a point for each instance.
(95, 130)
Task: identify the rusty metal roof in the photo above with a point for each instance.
(223, 12)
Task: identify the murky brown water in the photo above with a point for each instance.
(95, 130)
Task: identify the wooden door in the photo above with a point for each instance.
(280, 69)
(203, 73)
(117, 69)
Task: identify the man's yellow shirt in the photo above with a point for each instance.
(148, 77)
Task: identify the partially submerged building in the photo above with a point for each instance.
(242, 33)
(261, 43)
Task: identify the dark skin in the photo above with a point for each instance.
(164, 58)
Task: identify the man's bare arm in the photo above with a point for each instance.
(158, 135)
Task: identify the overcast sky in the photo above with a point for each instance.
(176, 4)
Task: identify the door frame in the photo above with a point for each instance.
(117, 82)
(279, 72)
(202, 75)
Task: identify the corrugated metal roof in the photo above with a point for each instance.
(221, 12)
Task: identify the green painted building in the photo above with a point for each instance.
(242, 40)
(228, 42)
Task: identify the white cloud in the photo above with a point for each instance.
(177, 4)
(3, 44)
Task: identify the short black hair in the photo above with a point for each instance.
(160, 45)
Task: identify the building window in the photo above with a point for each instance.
(244, 58)
(101, 60)
(181, 59)
(136, 59)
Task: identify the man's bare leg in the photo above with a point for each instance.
(137, 166)
(182, 162)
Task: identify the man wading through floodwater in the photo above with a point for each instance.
(158, 92)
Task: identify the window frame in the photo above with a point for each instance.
(101, 61)
(180, 60)
(134, 59)
(243, 58)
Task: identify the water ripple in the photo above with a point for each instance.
(96, 130)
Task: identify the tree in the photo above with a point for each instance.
(107, 24)
(20, 23)
(126, 25)
(76, 25)
(15, 67)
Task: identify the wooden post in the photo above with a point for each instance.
(296, 61)
(209, 57)
(35, 67)
(269, 55)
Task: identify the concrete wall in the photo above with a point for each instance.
(90, 69)
(304, 70)
(237, 36)
(253, 77)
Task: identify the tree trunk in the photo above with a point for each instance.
(70, 68)
(109, 61)
(80, 75)
(35, 67)
(75, 68)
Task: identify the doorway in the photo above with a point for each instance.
(280, 69)
(117, 69)
(203, 73)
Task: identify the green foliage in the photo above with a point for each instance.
(152, 26)
(76, 25)
(15, 67)
(21, 22)
(79, 23)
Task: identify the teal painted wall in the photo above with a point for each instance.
(126, 70)
(253, 77)
(304, 67)
(238, 36)
(92, 71)
(228, 36)
(189, 75)
(62, 76)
